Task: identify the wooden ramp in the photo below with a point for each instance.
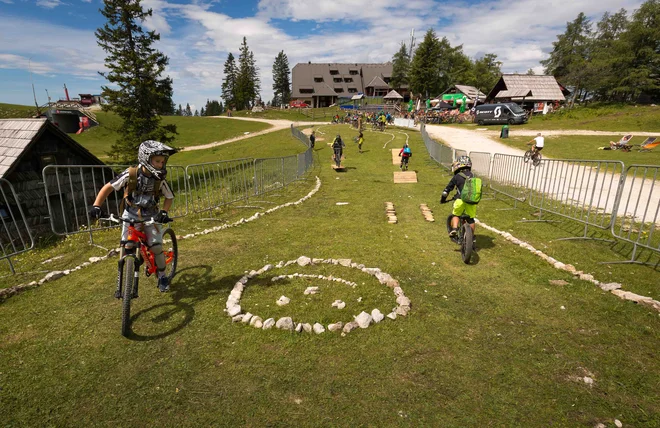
(405, 177)
(396, 160)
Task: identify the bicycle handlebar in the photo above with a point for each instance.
(114, 219)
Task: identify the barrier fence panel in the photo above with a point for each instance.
(15, 234)
(458, 153)
(637, 212)
(300, 135)
(442, 154)
(215, 184)
(71, 191)
(268, 175)
(509, 176)
(481, 166)
(580, 190)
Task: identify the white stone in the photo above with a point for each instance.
(234, 310)
(314, 261)
(398, 291)
(403, 301)
(383, 277)
(588, 380)
(338, 304)
(364, 319)
(618, 423)
(371, 271)
(246, 318)
(348, 327)
(279, 265)
(402, 310)
(311, 290)
(610, 286)
(318, 328)
(391, 315)
(563, 308)
(283, 300)
(237, 318)
(586, 277)
(252, 274)
(344, 262)
(284, 323)
(269, 323)
(52, 276)
(560, 265)
(336, 326)
(377, 315)
(95, 259)
(307, 327)
(231, 301)
(298, 327)
(304, 261)
(256, 319)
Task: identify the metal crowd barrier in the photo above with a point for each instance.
(215, 184)
(581, 190)
(481, 166)
(15, 234)
(458, 153)
(637, 211)
(300, 135)
(70, 191)
(442, 154)
(509, 176)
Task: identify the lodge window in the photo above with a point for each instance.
(348, 79)
(318, 79)
(334, 72)
(307, 91)
(352, 90)
(353, 72)
(339, 90)
(337, 80)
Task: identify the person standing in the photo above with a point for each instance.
(312, 139)
(360, 141)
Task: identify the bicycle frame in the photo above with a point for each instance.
(140, 239)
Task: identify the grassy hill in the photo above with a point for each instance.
(15, 111)
(492, 343)
(192, 131)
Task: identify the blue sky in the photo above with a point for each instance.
(55, 38)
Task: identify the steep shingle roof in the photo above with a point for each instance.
(544, 88)
(377, 82)
(15, 136)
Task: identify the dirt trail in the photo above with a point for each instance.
(276, 125)
(532, 132)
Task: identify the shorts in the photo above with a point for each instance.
(461, 207)
(538, 149)
(153, 232)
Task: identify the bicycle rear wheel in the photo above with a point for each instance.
(466, 244)
(127, 294)
(171, 254)
(536, 160)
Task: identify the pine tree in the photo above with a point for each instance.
(135, 68)
(202, 112)
(229, 82)
(196, 112)
(281, 82)
(424, 72)
(188, 111)
(487, 71)
(400, 67)
(180, 112)
(247, 79)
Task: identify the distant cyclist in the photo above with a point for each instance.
(537, 143)
(405, 155)
(338, 147)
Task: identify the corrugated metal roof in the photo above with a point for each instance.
(544, 88)
(15, 136)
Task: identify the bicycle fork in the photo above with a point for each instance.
(120, 276)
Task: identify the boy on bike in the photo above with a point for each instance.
(462, 169)
(405, 155)
(143, 186)
(538, 143)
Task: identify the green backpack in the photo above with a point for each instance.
(471, 193)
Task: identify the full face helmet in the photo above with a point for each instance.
(151, 148)
(460, 163)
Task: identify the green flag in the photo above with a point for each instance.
(410, 105)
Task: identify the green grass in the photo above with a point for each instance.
(586, 147)
(15, 111)
(295, 115)
(594, 117)
(485, 344)
(192, 131)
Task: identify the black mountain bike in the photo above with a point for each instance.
(534, 156)
(464, 237)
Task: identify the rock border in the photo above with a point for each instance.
(612, 287)
(363, 320)
(5, 293)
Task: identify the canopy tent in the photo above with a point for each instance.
(393, 95)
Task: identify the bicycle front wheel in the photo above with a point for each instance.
(527, 156)
(171, 254)
(127, 294)
(466, 245)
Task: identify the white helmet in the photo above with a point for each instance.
(151, 148)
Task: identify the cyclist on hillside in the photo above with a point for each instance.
(143, 185)
(338, 147)
(405, 155)
(462, 169)
(537, 143)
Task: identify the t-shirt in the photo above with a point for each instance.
(143, 197)
(458, 181)
(539, 141)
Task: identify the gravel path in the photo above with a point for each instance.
(276, 125)
(513, 132)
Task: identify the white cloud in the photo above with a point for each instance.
(49, 4)
(8, 61)
(6, 1)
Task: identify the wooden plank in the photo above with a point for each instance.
(396, 160)
(405, 177)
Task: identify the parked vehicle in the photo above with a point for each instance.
(298, 104)
(511, 113)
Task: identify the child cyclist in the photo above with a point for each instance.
(141, 198)
(405, 155)
(462, 169)
(338, 148)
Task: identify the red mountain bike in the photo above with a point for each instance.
(132, 259)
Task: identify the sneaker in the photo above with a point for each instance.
(453, 233)
(163, 284)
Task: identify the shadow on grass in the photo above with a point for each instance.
(193, 284)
